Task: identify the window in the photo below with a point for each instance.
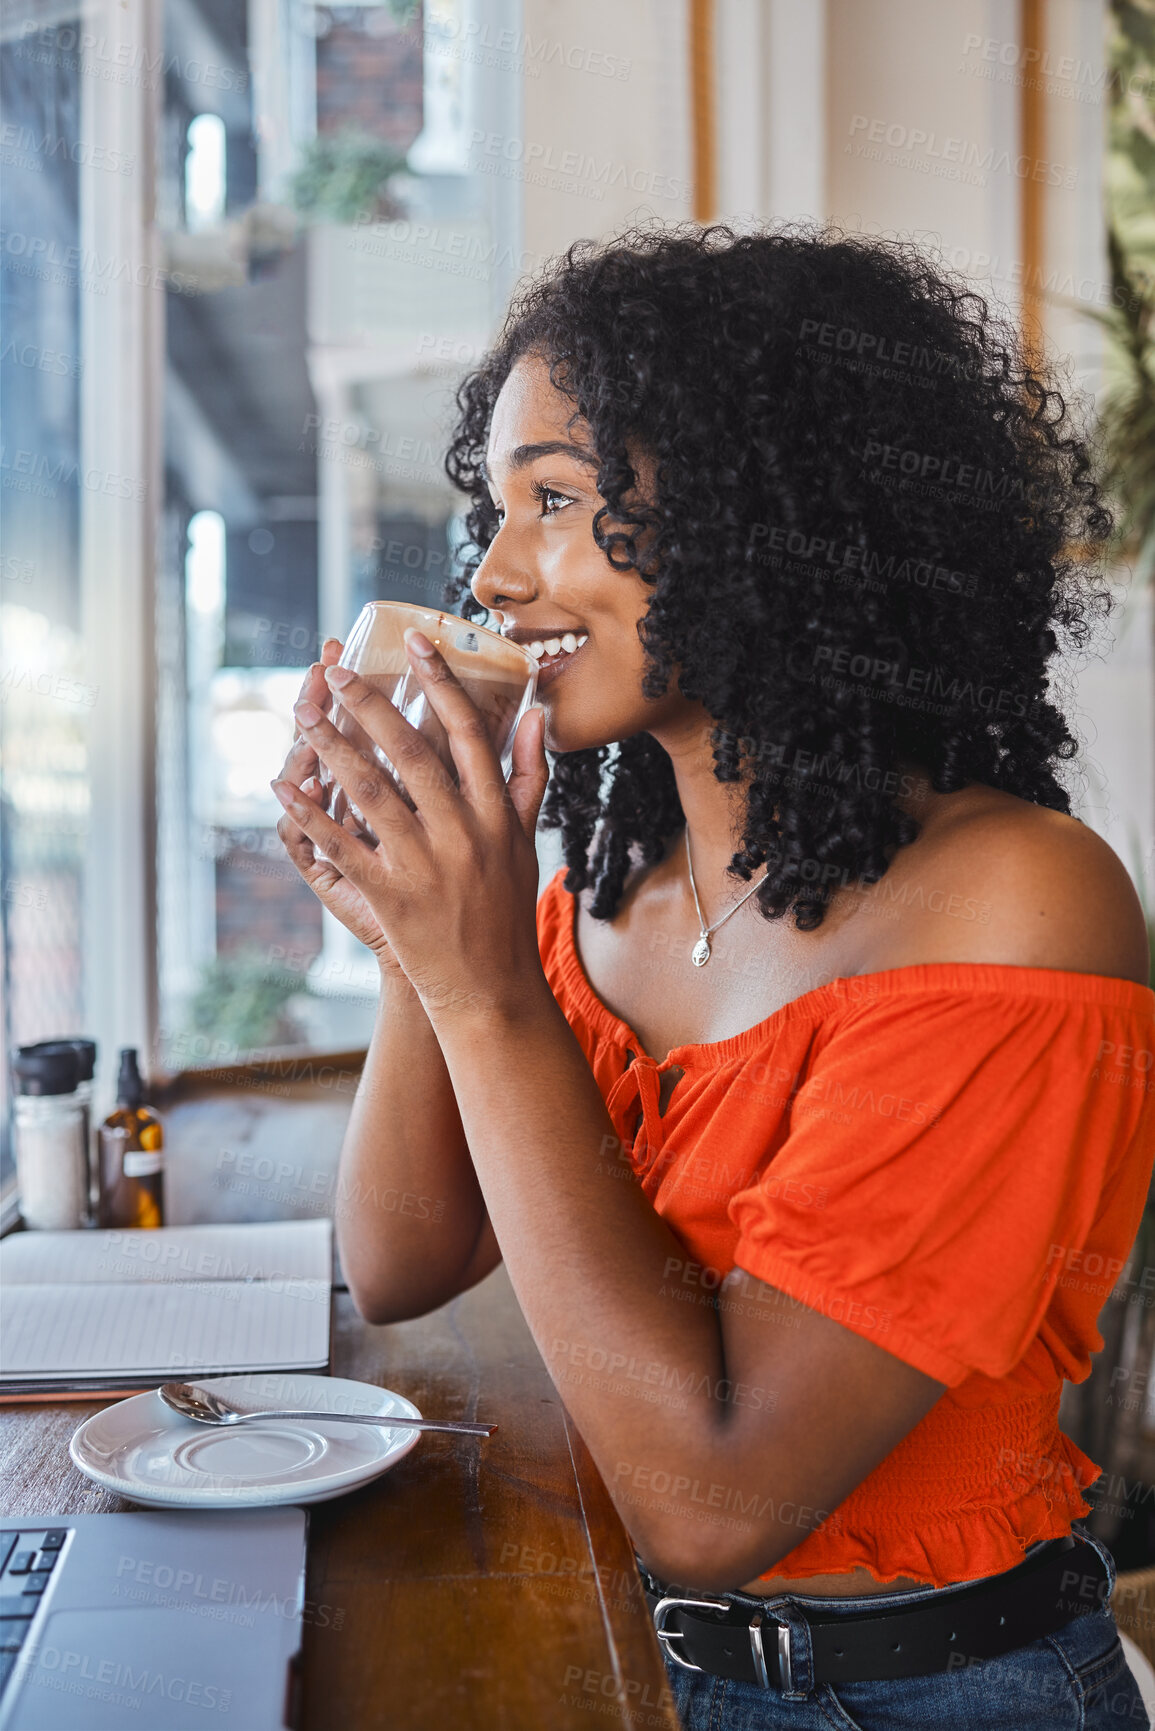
(45, 700)
(223, 395)
(204, 172)
(304, 395)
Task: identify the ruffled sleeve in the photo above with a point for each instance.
(552, 907)
(957, 1162)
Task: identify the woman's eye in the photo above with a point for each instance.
(548, 498)
(543, 494)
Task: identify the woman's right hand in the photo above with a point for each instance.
(301, 767)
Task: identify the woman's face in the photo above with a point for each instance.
(549, 581)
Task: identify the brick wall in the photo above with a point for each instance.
(369, 74)
(261, 901)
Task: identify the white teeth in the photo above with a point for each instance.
(557, 645)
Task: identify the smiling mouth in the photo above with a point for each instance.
(549, 651)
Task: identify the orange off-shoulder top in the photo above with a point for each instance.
(950, 1159)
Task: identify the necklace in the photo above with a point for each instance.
(700, 954)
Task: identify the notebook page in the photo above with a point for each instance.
(268, 1250)
(165, 1328)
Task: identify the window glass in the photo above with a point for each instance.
(44, 699)
(334, 266)
(329, 263)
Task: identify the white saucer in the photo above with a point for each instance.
(141, 1449)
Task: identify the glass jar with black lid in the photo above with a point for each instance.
(50, 1118)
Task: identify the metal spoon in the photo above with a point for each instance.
(205, 1407)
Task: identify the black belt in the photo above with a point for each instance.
(737, 1636)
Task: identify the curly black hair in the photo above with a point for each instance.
(873, 520)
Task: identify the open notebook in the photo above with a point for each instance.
(84, 1312)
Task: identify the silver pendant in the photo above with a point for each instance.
(700, 954)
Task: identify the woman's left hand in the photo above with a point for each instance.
(454, 883)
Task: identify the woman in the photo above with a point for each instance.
(801, 1101)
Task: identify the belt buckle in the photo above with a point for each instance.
(665, 1636)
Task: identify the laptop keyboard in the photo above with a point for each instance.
(27, 1559)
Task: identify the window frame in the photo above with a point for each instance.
(121, 441)
(122, 343)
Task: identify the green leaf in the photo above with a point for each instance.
(241, 999)
(343, 176)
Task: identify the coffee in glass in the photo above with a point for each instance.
(499, 676)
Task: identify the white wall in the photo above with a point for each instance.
(940, 86)
(771, 71)
(605, 138)
(917, 143)
(1114, 694)
(606, 118)
(801, 87)
(1113, 715)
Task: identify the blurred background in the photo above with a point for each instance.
(248, 248)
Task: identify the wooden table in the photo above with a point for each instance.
(482, 1585)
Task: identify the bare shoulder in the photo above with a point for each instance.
(1027, 887)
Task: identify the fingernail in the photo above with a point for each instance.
(339, 676)
(307, 714)
(282, 791)
(327, 642)
(419, 643)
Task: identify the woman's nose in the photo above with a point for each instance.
(499, 578)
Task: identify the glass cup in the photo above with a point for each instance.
(499, 676)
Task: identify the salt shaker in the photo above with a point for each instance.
(85, 1050)
(49, 1120)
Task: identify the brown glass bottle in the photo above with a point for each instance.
(131, 1142)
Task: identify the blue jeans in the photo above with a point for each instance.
(1077, 1679)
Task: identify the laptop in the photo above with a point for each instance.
(158, 1621)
